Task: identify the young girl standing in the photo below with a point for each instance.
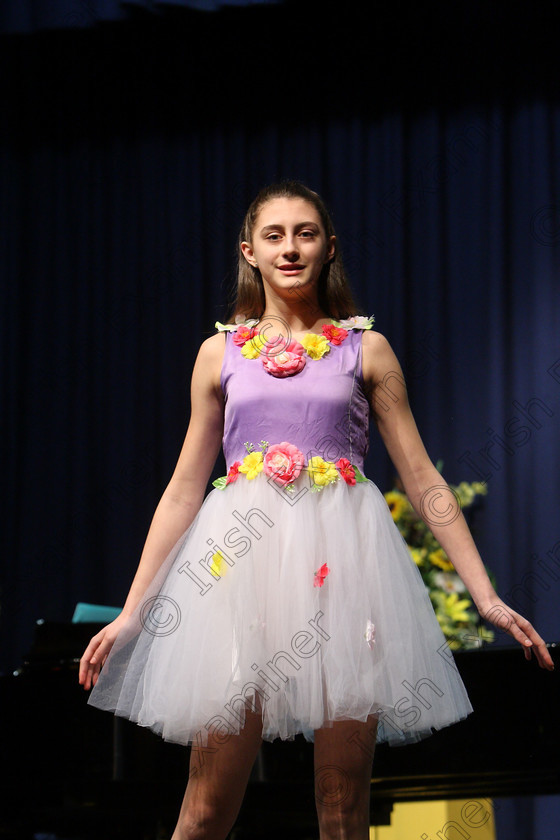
(286, 601)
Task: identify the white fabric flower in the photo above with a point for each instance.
(356, 322)
(240, 320)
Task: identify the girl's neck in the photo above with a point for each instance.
(283, 323)
(298, 316)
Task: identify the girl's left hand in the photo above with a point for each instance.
(506, 619)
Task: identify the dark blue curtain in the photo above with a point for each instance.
(25, 16)
(127, 157)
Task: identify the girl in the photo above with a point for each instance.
(287, 601)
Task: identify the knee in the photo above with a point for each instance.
(345, 818)
(336, 825)
(201, 823)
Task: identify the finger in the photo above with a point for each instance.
(522, 631)
(534, 643)
(92, 675)
(543, 657)
(95, 655)
(85, 661)
(532, 638)
(98, 659)
(86, 670)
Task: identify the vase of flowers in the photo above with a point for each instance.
(458, 618)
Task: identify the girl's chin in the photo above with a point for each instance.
(294, 283)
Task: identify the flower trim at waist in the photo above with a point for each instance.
(284, 462)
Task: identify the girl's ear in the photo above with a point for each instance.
(331, 248)
(247, 252)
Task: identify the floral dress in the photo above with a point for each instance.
(292, 593)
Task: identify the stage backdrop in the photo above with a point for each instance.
(128, 155)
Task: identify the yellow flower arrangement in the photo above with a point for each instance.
(418, 555)
(439, 558)
(455, 612)
(398, 504)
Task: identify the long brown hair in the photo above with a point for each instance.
(333, 290)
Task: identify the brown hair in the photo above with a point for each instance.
(334, 293)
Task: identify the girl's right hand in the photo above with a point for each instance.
(97, 652)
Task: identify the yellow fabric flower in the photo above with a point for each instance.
(322, 472)
(315, 345)
(439, 558)
(252, 349)
(218, 565)
(252, 464)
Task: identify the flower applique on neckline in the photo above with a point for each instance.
(283, 357)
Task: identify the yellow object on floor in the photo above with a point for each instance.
(453, 819)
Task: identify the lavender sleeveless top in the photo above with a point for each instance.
(322, 409)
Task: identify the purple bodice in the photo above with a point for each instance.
(322, 409)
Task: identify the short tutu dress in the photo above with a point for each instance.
(292, 593)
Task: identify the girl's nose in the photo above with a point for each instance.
(290, 250)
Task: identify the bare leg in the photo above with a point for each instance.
(218, 778)
(343, 760)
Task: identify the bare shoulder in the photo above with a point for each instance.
(208, 365)
(375, 340)
(212, 349)
(379, 358)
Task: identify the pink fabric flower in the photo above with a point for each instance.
(320, 575)
(369, 635)
(287, 362)
(233, 472)
(243, 334)
(346, 470)
(284, 462)
(335, 335)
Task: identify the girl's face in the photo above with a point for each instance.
(289, 246)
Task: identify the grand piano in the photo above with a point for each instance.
(75, 772)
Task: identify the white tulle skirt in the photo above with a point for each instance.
(306, 607)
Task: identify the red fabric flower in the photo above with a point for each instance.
(287, 362)
(346, 470)
(243, 334)
(335, 335)
(320, 575)
(233, 472)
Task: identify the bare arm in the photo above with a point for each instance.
(430, 495)
(181, 499)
